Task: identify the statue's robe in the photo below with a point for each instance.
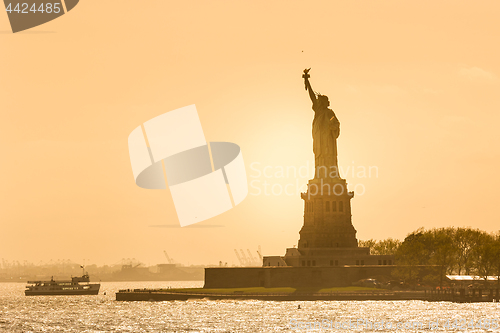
(325, 131)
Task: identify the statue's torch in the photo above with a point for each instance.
(306, 76)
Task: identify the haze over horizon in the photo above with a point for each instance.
(414, 85)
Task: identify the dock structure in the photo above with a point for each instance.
(449, 295)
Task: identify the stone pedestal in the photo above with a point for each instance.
(327, 216)
(328, 237)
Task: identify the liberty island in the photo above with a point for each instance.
(327, 254)
(328, 262)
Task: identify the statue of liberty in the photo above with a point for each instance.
(325, 131)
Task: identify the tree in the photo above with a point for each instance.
(484, 256)
(368, 243)
(465, 241)
(496, 257)
(387, 246)
(442, 250)
(410, 255)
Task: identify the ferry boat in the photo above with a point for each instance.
(78, 285)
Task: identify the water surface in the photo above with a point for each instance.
(102, 313)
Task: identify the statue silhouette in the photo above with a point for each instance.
(325, 131)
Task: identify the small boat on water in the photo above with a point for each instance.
(78, 285)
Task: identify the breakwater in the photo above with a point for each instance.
(451, 295)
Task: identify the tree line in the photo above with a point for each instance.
(444, 251)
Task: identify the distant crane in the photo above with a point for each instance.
(245, 260)
(252, 258)
(239, 259)
(259, 252)
(170, 261)
(260, 255)
(249, 259)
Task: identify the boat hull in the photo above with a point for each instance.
(93, 290)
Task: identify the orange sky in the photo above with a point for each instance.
(415, 86)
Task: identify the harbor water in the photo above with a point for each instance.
(102, 313)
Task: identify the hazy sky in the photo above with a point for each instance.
(415, 85)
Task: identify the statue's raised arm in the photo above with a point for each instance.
(306, 77)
